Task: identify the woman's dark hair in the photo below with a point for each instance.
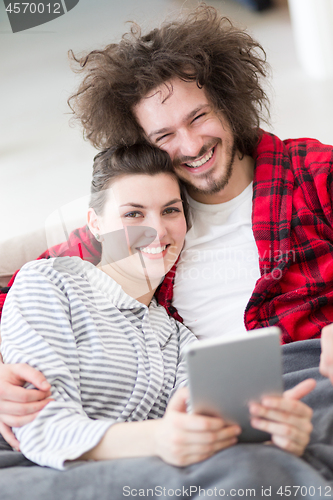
(204, 47)
(139, 158)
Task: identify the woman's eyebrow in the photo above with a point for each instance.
(176, 200)
(137, 205)
(131, 204)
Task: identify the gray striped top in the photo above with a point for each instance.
(108, 357)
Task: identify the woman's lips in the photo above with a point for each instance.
(154, 252)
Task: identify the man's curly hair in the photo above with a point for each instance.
(204, 47)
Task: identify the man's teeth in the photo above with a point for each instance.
(204, 159)
(153, 250)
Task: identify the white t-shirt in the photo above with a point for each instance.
(218, 267)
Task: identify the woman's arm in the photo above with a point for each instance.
(178, 438)
(182, 439)
(37, 330)
(185, 337)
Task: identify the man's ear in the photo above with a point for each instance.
(93, 222)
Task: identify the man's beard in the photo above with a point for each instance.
(213, 186)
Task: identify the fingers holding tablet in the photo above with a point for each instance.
(183, 439)
(286, 418)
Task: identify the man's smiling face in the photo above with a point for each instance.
(199, 141)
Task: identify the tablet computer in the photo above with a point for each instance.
(228, 372)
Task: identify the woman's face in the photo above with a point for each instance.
(143, 226)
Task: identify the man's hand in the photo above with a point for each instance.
(326, 358)
(19, 406)
(183, 439)
(286, 418)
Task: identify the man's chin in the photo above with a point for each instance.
(207, 188)
(206, 184)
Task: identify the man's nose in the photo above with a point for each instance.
(190, 144)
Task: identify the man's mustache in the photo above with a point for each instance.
(189, 159)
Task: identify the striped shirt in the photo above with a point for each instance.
(108, 357)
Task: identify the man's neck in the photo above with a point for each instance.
(241, 177)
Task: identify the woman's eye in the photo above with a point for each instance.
(171, 210)
(133, 215)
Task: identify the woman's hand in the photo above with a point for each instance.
(19, 406)
(183, 439)
(286, 418)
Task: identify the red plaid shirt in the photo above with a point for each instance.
(293, 227)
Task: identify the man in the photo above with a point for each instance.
(193, 89)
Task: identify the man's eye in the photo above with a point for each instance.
(133, 215)
(162, 138)
(199, 116)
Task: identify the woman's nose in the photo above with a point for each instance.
(158, 227)
(150, 232)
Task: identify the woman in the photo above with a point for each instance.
(112, 355)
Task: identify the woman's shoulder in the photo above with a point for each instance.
(70, 263)
(52, 268)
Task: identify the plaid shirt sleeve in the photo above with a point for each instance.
(293, 227)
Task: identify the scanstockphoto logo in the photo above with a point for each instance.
(25, 15)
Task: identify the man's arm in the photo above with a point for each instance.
(20, 406)
(326, 358)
